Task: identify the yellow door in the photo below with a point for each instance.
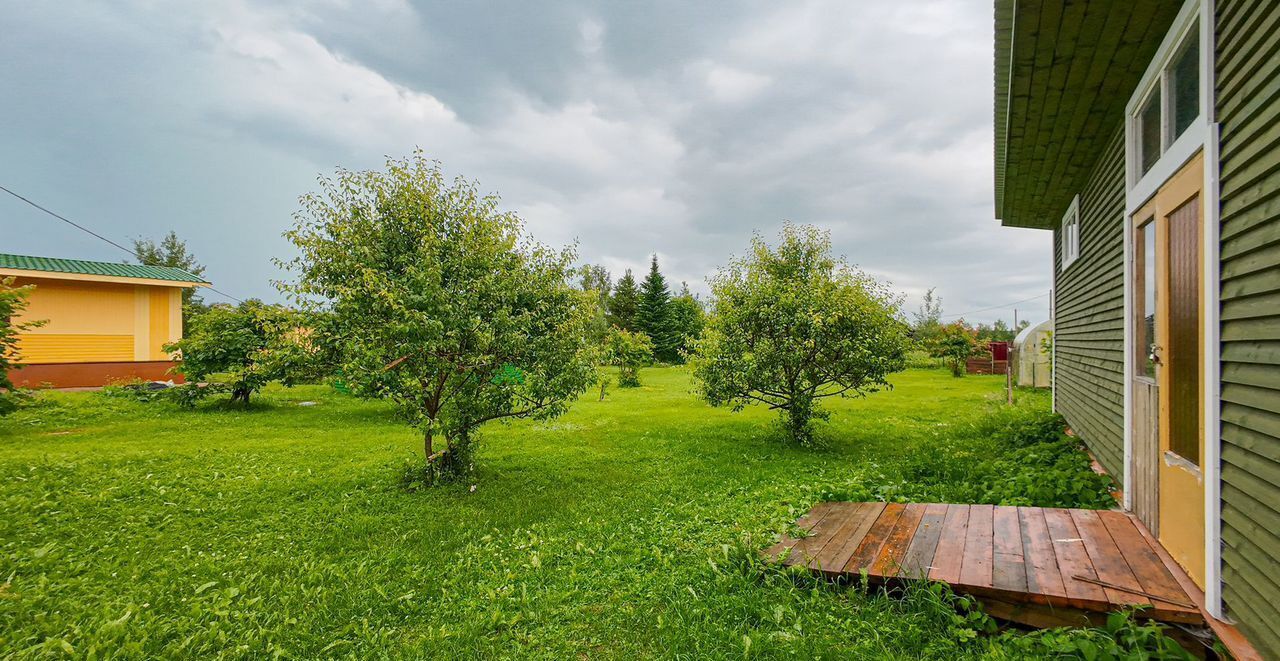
(1170, 227)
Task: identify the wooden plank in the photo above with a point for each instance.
(1147, 567)
(919, 556)
(847, 539)
(1073, 560)
(1040, 561)
(875, 539)
(1008, 568)
(975, 570)
(1108, 563)
(949, 556)
(805, 550)
(889, 561)
(806, 523)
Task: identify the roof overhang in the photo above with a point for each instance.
(1063, 74)
(90, 277)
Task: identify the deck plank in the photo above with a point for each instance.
(806, 523)
(978, 548)
(875, 539)
(1108, 562)
(822, 532)
(1043, 577)
(949, 555)
(1148, 568)
(919, 556)
(889, 561)
(1073, 560)
(837, 552)
(1008, 568)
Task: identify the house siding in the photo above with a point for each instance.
(1089, 314)
(1248, 109)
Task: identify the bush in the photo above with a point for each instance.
(921, 359)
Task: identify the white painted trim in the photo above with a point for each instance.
(1069, 233)
(1128, 477)
(1182, 150)
(1211, 390)
(1203, 134)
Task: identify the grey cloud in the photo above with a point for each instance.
(675, 127)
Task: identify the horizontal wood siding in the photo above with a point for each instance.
(1089, 314)
(1248, 104)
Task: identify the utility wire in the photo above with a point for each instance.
(996, 307)
(90, 232)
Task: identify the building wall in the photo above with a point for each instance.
(1248, 108)
(1089, 314)
(99, 322)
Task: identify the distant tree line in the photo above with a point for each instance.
(956, 341)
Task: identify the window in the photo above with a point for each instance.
(1184, 88)
(1069, 234)
(1145, 267)
(1167, 103)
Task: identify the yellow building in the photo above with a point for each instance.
(104, 321)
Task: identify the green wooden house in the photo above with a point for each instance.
(1146, 136)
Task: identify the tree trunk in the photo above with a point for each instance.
(426, 441)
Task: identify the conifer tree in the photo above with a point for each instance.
(654, 315)
(624, 303)
(687, 318)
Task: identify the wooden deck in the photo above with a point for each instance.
(1036, 566)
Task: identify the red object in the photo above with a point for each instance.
(1000, 351)
(79, 375)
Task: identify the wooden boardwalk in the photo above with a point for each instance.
(1037, 566)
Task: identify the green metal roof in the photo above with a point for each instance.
(1063, 75)
(85, 267)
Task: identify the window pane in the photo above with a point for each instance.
(1149, 131)
(1146, 340)
(1184, 81)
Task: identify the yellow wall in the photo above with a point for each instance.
(99, 322)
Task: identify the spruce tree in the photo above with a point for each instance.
(654, 315)
(624, 303)
(687, 317)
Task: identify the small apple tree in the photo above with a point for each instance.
(238, 349)
(439, 304)
(792, 326)
(629, 352)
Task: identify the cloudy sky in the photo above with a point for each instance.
(671, 127)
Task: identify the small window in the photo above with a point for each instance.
(1146, 344)
(1169, 105)
(1149, 142)
(1184, 88)
(1070, 233)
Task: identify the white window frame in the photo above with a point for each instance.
(1175, 152)
(1203, 133)
(1069, 234)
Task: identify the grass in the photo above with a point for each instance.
(627, 528)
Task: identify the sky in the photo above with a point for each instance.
(673, 127)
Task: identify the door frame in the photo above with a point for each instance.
(1201, 137)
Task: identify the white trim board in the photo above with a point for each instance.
(1201, 135)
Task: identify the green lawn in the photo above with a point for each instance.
(626, 528)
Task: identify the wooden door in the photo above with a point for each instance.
(1168, 354)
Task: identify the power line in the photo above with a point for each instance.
(94, 234)
(996, 307)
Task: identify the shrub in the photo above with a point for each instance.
(238, 350)
(13, 300)
(628, 352)
(921, 359)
